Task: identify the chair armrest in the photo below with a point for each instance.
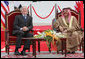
(79, 29)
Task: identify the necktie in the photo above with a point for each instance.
(25, 18)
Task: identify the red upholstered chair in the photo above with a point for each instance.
(9, 38)
(78, 16)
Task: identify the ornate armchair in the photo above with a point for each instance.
(78, 16)
(9, 38)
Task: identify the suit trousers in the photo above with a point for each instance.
(20, 35)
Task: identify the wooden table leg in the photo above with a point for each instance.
(29, 47)
(80, 46)
(62, 47)
(50, 48)
(65, 48)
(34, 48)
(38, 46)
(57, 52)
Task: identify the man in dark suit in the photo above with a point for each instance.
(22, 25)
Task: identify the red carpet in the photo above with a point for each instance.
(46, 55)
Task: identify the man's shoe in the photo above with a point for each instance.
(73, 52)
(23, 53)
(68, 52)
(16, 53)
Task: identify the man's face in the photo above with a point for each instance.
(65, 12)
(24, 11)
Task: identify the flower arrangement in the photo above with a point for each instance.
(50, 36)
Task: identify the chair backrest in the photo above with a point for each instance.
(10, 20)
(73, 13)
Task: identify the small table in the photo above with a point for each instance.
(62, 47)
(33, 40)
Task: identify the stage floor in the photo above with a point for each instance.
(44, 54)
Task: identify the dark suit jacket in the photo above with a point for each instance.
(19, 23)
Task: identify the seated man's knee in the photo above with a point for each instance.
(75, 33)
(29, 35)
(20, 33)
